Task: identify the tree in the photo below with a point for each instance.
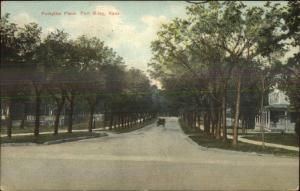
(114, 76)
(55, 55)
(94, 59)
(19, 46)
(291, 71)
(217, 38)
(9, 47)
(29, 43)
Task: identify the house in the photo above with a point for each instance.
(276, 116)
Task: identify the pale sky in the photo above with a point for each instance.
(129, 32)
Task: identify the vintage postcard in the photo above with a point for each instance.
(150, 95)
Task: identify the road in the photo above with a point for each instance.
(147, 159)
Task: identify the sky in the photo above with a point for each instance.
(129, 30)
(127, 27)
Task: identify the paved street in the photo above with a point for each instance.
(146, 159)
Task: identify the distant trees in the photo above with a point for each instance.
(63, 72)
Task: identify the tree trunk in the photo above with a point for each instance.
(37, 116)
(129, 120)
(104, 118)
(246, 125)
(224, 100)
(9, 118)
(262, 129)
(218, 123)
(22, 124)
(119, 121)
(207, 124)
(111, 121)
(60, 105)
(213, 118)
(135, 118)
(237, 112)
(126, 121)
(213, 125)
(139, 117)
(37, 112)
(199, 121)
(91, 118)
(70, 114)
(194, 120)
(115, 120)
(122, 120)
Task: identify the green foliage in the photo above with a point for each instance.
(82, 71)
(218, 44)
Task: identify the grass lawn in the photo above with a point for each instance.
(277, 138)
(17, 130)
(50, 137)
(134, 127)
(210, 142)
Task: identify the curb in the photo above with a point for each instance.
(55, 141)
(73, 139)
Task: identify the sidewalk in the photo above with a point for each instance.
(63, 131)
(240, 138)
(266, 144)
(50, 132)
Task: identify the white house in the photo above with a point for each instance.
(276, 115)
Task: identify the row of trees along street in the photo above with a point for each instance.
(226, 55)
(81, 74)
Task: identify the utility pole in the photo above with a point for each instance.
(262, 130)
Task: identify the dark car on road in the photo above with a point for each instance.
(161, 121)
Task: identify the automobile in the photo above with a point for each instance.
(161, 121)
